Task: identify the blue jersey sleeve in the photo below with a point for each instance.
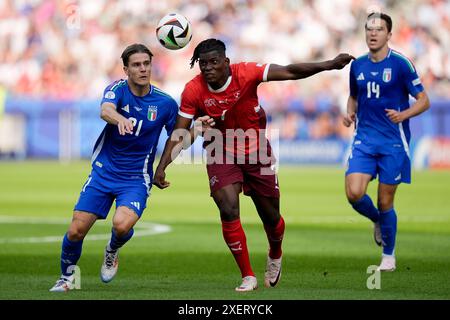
(170, 123)
(113, 92)
(410, 78)
(353, 85)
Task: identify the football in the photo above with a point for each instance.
(174, 31)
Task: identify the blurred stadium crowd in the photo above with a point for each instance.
(71, 49)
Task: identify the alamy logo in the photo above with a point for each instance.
(76, 273)
(374, 280)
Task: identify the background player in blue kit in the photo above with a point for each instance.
(122, 162)
(380, 84)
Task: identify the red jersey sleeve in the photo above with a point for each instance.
(254, 72)
(189, 104)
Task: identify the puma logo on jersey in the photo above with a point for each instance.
(360, 77)
(235, 246)
(213, 181)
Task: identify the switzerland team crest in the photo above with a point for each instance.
(387, 74)
(152, 113)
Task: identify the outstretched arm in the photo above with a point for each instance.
(303, 70)
(166, 157)
(181, 138)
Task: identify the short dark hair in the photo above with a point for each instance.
(207, 46)
(132, 49)
(382, 16)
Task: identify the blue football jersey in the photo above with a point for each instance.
(382, 85)
(131, 156)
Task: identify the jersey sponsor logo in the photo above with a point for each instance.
(387, 74)
(126, 108)
(360, 77)
(110, 95)
(152, 113)
(416, 82)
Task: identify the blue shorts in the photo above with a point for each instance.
(98, 194)
(391, 168)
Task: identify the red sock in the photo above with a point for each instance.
(275, 237)
(235, 239)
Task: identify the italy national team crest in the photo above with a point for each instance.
(152, 113)
(387, 74)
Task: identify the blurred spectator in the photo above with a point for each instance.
(70, 49)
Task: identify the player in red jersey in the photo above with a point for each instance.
(225, 95)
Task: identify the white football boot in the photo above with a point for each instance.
(249, 283)
(273, 272)
(63, 284)
(387, 263)
(110, 265)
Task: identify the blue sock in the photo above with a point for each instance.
(365, 207)
(388, 224)
(116, 242)
(70, 253)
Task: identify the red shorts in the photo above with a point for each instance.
(256, 179)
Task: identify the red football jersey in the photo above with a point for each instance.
(234, 106)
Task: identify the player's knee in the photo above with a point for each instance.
(121, 229)
(76, 233)
(385, 204)
(354, 194)
(229, 211)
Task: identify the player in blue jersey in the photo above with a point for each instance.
(380, 84)
(122, 163)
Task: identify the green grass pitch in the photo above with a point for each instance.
(327, 247)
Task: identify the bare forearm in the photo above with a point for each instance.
(304, 70)
(421, 105)
(351, 105)
(111, 116)
(171, 150)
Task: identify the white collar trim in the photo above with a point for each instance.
(223, 88)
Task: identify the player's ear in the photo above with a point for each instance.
(125, 69)
(227, 60)
(389, 36)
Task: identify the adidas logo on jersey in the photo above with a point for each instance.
(360, 77)
(126, 108)
(136, 204)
